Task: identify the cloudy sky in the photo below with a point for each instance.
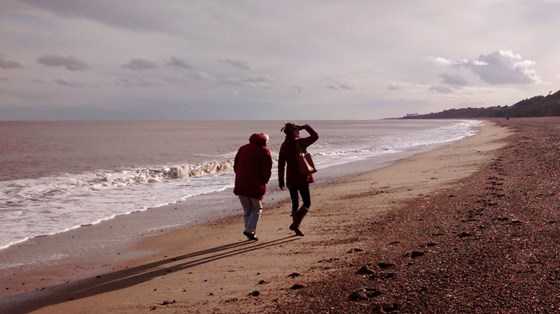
(174, 59)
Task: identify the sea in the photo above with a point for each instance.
(63, 175)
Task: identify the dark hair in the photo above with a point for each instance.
(289, 129)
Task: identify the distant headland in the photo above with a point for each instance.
(538, 106)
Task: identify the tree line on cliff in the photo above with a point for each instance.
(538, 106)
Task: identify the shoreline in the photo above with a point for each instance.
(115, 234)
(67, 200)
(222, 238)
(329, 174)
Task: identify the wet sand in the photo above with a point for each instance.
(388, 224)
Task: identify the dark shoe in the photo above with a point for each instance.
(296, 230)
(251, 236)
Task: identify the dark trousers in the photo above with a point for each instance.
(305, 197)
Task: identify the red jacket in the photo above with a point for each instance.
(287, 156)
(252, 166)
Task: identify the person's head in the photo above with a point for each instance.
(259, 139)
(291, 130)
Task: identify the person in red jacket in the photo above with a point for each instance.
(296, 182)
(252, 167)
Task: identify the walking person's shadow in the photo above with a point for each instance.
(31, 301)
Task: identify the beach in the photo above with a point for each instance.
(463, 228)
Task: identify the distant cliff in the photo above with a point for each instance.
(538, 106)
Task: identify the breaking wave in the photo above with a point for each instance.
(157, 174)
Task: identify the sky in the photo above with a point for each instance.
(271, 60)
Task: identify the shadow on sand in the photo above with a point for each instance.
(31, 301)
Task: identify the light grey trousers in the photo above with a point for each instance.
(252, 209)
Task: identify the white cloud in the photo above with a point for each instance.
(9, 64)
(340, 86)
(202, 76)
(71, 63)
(503, 67)
(138, 64)
(190, 49)
(441, 61)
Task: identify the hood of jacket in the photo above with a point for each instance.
(259, 139)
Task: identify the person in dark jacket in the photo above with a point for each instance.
(252, 167)
(297, 183)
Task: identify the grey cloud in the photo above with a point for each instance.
(140, 64)
(179, 63)
(9, 64)
(450, 83)
(298, 88)
(502, 67)
(338, 86)
(254, 80)
(394, 86)
(454, 80)
(441, 89)
(134, 82)
(237, 63)
(65, 82)
(202, 76)
(71, 63)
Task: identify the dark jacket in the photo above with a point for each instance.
(287, 156)
(252, 166)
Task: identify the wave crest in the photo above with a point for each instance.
(177, 172)
(154, 175)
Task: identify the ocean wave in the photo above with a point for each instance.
(48, 205)
(159, 174)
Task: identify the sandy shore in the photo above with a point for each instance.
(397, 217)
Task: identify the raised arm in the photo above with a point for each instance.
(312, 138)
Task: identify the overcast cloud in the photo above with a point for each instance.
(65, 82)
(9, 64)
(179, 63)
(71, 63)
(262, 60)
(138, 64)
(237, 63)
